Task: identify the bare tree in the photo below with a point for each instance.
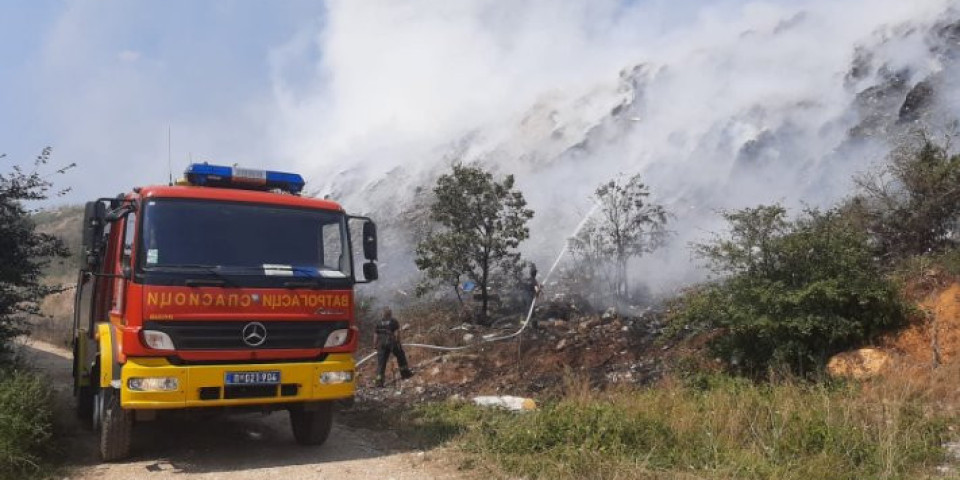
(626, 225)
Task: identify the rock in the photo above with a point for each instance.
(468, 338)
(919, 100)
(589, 324)
(609, 313)
(554, 323)
(517, 404)
(859, 364)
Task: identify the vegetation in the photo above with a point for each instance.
(26, 424)
(718, 427)
(26, 409)
(910, 205)
(626, 226)
(24, 252)
(482, 222)
(791, 293)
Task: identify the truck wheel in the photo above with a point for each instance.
(311, 425)
(85, 399)
(116, 426)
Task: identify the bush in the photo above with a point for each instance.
(24, 252)
(791, 293)
(911, 204)
(26, 423)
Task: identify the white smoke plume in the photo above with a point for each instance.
(720, 105)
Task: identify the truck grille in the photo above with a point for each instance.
(228, 335)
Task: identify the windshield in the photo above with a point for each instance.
(239, 238)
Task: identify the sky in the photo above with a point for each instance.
(247, 81)
(103, 82)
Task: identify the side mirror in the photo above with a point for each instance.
(370, 272)
(93, 223)
(119, 212)
(369, 241)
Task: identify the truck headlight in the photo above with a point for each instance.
(337, 338)
(336, 377)
(157, 340)
(153, 384)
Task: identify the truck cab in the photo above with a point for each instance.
(229, 290)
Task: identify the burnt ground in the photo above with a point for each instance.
(603, 350)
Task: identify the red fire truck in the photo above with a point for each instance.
(227, 290)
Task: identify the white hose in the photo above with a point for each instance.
(523, 327)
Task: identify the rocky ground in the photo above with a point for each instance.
(603, 349)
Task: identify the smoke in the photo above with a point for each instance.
(719, 105)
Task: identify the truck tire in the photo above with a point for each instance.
(311, 424)
(84, 401)
(116, 426)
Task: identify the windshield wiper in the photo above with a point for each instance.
(204, 282)
(220, 281)
(302, 284)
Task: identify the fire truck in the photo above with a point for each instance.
(228, 290)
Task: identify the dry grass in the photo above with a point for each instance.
(56, 324)
(719, 428)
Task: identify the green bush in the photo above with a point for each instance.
(790, 293)
(910, 204)
(26, 423)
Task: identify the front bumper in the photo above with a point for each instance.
(203, 385)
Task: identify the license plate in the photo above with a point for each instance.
(271, 377)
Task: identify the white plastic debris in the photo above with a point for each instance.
(516, 404)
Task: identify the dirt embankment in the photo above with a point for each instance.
(931, 340)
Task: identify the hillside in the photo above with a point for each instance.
(64, 223)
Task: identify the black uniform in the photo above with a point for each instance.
(387, 344)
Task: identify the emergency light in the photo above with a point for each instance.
(206, 175)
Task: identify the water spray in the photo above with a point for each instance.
(533, 304)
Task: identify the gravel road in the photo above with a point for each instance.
(251, 446)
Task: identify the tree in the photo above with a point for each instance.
(791, 292)
(24, 252)
(912, 204)
(627, 225)
(481, 223)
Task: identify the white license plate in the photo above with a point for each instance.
(271, 377)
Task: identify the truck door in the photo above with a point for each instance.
(123, 266)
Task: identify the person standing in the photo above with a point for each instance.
(531, 291)
(386, 339)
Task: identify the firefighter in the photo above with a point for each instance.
(531, 289)
(386, 339)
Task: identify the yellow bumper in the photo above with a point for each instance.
(195, 379)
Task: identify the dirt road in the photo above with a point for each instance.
(233, 447)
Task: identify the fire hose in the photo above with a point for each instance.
(443, 348)
(523, 326)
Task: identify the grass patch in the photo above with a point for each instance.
(724, 428)
(26, 425)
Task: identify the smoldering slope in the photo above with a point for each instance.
(719, 105)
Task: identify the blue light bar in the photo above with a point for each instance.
(206, 175)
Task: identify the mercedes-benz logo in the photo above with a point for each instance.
(254, 334)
